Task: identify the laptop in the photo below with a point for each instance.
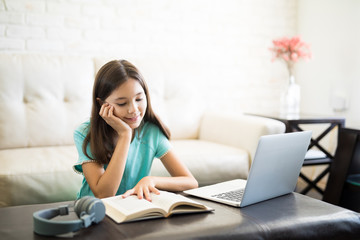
(273, 173)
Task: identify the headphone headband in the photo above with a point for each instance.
(89, 210)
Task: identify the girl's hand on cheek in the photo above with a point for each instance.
(107, 113)
(143, 189)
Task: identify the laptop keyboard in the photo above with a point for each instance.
(235, 196)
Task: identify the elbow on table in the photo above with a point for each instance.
(102, 194)
(194, 184)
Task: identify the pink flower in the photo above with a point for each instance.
(290, 50)
(294, 56)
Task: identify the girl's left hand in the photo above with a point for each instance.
(143, 189)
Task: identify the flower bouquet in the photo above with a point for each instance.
(290, 51)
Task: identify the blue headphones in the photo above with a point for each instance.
(88, 209)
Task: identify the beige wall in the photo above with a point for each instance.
(333, 29)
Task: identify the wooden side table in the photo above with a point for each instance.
(293, 125)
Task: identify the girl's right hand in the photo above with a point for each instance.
(107, 113)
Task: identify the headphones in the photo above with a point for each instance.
(88, 209)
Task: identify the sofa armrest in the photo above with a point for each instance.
(238, 130)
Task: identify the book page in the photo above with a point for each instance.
(162, 205)
(166, 200)
(130, 208)
(129, 205)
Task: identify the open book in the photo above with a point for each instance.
(133, 209)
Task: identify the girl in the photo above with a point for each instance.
(117, 146)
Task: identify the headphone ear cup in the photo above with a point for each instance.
(87, 204)
(78, 208)
(96, 209)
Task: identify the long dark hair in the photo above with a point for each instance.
(101, 135)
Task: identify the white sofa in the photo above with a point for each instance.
(44, 97)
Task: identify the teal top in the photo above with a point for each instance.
(146, 145)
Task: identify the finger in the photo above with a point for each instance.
(111, 111)
(140, 194)
(106, 110)
(154, 190)
(102, 110)
(128, 193)
(147, 194)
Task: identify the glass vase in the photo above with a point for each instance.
(290, 100)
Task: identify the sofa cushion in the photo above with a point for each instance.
(209, 162)
(44, 98)
(38, 175)
(237, 129)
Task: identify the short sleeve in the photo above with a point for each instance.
(163, 146)
(79, 137)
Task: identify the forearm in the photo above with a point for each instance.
(109, 182)
(175, 184)
(181, 178)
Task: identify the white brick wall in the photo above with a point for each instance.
(219, 46)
